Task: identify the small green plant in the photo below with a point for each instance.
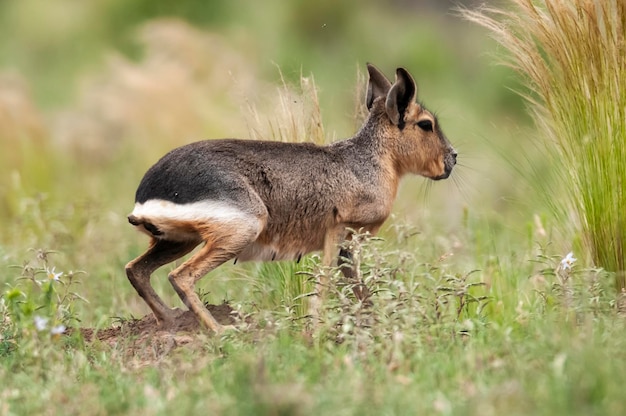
(40, 303)
(571, 55)
(574, 291)
(403, 301)
(285, 286)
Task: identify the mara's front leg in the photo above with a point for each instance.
(333, 238)
(350, 266)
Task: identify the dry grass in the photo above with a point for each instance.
(296, 115)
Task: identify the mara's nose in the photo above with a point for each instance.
(452, 156)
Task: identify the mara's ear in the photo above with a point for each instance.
(378, 85)
(401, 94)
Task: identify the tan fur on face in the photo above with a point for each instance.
(417, 151)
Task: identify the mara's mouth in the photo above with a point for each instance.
(449, 162)
(444, 175)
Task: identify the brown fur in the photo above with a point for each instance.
(282, 200)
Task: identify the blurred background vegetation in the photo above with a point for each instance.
(92, 93)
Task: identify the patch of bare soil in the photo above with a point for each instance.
(137, 334)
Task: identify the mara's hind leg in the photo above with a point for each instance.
(216, 251)
(139, 270)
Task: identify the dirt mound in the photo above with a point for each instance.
(137, 334)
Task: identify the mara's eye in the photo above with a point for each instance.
(425, 125)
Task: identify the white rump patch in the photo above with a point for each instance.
(155, 209)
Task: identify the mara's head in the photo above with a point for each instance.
(419, 145)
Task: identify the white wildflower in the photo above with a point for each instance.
(41, 323)
(58, 330)
(52, 275)
(568, 261)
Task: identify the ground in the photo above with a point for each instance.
(138, 333)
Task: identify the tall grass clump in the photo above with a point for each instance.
(571, 54)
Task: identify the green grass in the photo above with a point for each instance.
(571, 56)
(422, 347)
(472, 311)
